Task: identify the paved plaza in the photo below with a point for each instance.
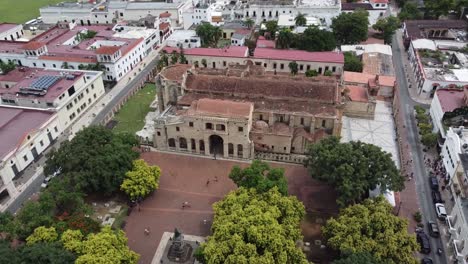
(184, 179)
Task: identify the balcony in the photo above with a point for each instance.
(451, 226)
(456, 250)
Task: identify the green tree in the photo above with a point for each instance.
(372, 227)
(7, 253)
(204, 63)
(141, 180)
(315, 39)
(95, 160)
(328, 73)
(284, 40)
(436, 8)
(7, 67)
(351, 28)
(107, 246)
(352, 168)
(65, 65)
(261, 176)
(358, 258)
(352, 62)
(300, 20)
(387, 26)
(293, 67)
(34, 214)
(272, 27)
(64, 195)
(311, 73)
(174, 57)
(249, 227)
(182, 58)
(208, 34)
(409, 11)
(7, 226)
(42, 234)
(249, 23)
(429, 139)
(46, 253)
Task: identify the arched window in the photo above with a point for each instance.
(230, 149)
(220, 127)
(192, 144)
(202, 145)
(209, 126)
(183, 143)
(171, 142)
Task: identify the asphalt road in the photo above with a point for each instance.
(421, 175)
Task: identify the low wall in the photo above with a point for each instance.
(291, 158)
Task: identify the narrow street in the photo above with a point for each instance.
(415, 149)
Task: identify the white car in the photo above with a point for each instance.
(45, 183)
(440, 210)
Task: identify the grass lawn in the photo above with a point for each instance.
(20, 11)
(131, 117)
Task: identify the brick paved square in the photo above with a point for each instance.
(184, 179)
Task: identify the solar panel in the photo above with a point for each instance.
(45, 82)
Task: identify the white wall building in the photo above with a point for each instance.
(10, 32)
(456, 143)
(184, 38)
(377, 9)
(445, 100)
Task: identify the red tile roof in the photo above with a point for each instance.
(7, 26)
(232, 51)
(163, 26)
(69, 59)
(450, 99)
(357, 93)
(33, 45)
(107, 50)
(16, 124)
(220, 108)
(357, 77)
(263, 43)
(175, 72)
(387, 80)
(299, 55)
(165, 14)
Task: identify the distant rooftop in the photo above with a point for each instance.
(232, 51)
(220, 108)
(416, 29)
(298, 55)
(16, 124)
(7, 26)
(357, 93)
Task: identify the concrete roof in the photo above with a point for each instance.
(364, 48)
(16, 124)
(450, 99)
(7, 26)
(220, 108)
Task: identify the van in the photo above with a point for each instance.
(423, 241)
(436, 197)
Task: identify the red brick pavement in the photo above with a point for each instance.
(184, 179)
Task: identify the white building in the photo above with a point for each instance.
(376, 8)
(109, 12)
(456, 143)
(211, 13)
(184, 38)
(117, 49)
(444, 101)
(289, 21)
(36, 106)
(10, 32)
(457, 219)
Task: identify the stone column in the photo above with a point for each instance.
(197, 146)
(235, 151)
(226, 150)
(312, 125)
(291, 120)
(271, 119)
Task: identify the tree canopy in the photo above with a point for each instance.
(7, 67)
(106, 247)
(261, 176)
(371, 227)
(300, 20)
(46, 253)
(387, 26)
(293, 67)
(96, 159)
(250, 227)
(141, 180)
(208, 34)
(315, 39)
(436, 8)
(42, 234)
(351, 28)
(352, 168)
(285, 38)
(271, 27)
(410, 11)
(358, 258)
(352, 62)
(249, 23)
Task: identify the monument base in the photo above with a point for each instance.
(161, 254)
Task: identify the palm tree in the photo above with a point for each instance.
(285, 37)
(249, 23)
(300, 20)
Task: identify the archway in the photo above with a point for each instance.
(216, 145)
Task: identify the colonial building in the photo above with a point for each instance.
(241, 112)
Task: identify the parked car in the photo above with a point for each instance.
(426, 261)
(45, 183)
(423, 241)
(434, 183)
(437, 197)
(440, 210)
(433, 229)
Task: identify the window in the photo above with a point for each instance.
(302, 121)
(41, 143)
(92, 86)
(55, 128)
(43, 65)
(264, 65)
(334, 69)
(301, 67)
(209, 126)
(272, 147)
(324, 123)
(202, 145)
(177, 129)
(171, 143)
(183, 143)
(308, 67)
(190, 124)
(240, 129)
(224, 63)
(284, 148)
(53, 65)
(220, 127)
(239, 150)
(34, 64)
(261, 117)
(281, 66)
(158, 133)
(274, 65)
(25, 158)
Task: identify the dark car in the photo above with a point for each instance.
(426, 261)
(423, 241)
(434, 183)
(436, 197)
(433, 229)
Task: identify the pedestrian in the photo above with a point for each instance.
(204, 221)
(208, 182)
(216, 178)
(147, 231)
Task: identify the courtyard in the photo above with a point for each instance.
(185, 178)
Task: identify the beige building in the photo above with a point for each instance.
(241, 112)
